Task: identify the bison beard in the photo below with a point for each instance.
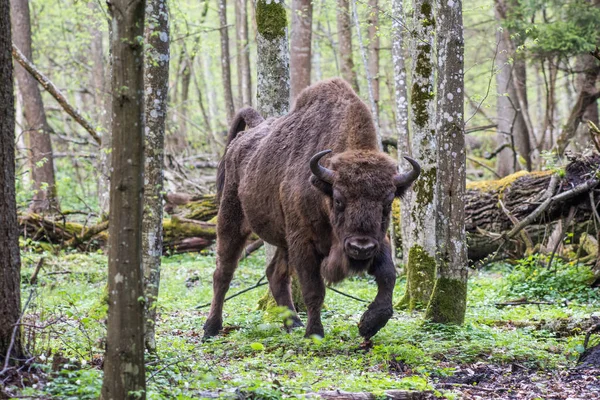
(327, 214)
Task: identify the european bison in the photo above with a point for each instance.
(327, 214)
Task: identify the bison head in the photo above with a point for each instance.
(360, 185)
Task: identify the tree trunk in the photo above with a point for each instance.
(124, 370)
(273, 92)
(156, 86)
(587, 96)
(401, 98)
(300, 47)
(273, 66)
(586, 106)
(373, 21)
(512, 128)
(40, 146)
(10, 262)
(449, 298)
(345, 43)
(225, 60)
(244, 74)
(102, 103)
(421, 243)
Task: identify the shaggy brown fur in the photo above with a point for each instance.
(324, 230)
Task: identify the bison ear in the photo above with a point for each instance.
(401, 190)
(323, 186)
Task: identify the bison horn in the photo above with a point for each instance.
(408, 177)
(318, 170)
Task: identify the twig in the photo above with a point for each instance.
(567, 222)
(256, 285)
(14, 334)
(480, 128)
(515, 221)
(464, 385)
(346, 294)
(594, 131)
(577, 190)
(494, 153)
(484, 166)
(252, 247)
(38, 267)
(55, 92)
(521, 303)
(593, 329)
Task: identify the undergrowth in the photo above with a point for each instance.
(259, 359)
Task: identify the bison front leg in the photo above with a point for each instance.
(308, 268)
(380, 310)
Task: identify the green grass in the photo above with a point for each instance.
(257, 356)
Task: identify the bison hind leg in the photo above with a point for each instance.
(232, 232)
(280, 283)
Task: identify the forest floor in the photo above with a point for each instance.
(514, 352)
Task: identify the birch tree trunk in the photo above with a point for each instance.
(300, 52)
(225, 63)
(273, 67)
(40, 146)
(449, 298)
(10, 262)
(345, 43)
(373, 31)
(244, 74)
(401, 100)
(124, 370)
(156, 85)
(421, 241)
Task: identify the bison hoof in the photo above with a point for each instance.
(312, 331)
(373, 320)
(292, 323)
(211, 330)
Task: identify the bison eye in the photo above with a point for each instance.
(339, 205)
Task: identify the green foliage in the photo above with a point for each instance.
(561, 28)
(533, 279)
(258, 357)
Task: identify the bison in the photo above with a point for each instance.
(314, 184)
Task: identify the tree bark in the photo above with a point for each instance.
(10, 262)
(124, 370)
(586, 100)
(373, 21)
(225, 60)
(421, 244)
(102, 103)
(300, 47)
(401, 99)
(273, 92)
(448, 302)
(511, 101)
(345, 43)
(156, 86)
(38, 129)
(244, 73)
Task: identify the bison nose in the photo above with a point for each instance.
(360, 248)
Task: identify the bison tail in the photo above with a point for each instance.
(247, 116)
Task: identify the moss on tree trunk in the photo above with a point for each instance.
(420, 278)
(448, 302)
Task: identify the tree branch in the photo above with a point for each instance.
(54, 91)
